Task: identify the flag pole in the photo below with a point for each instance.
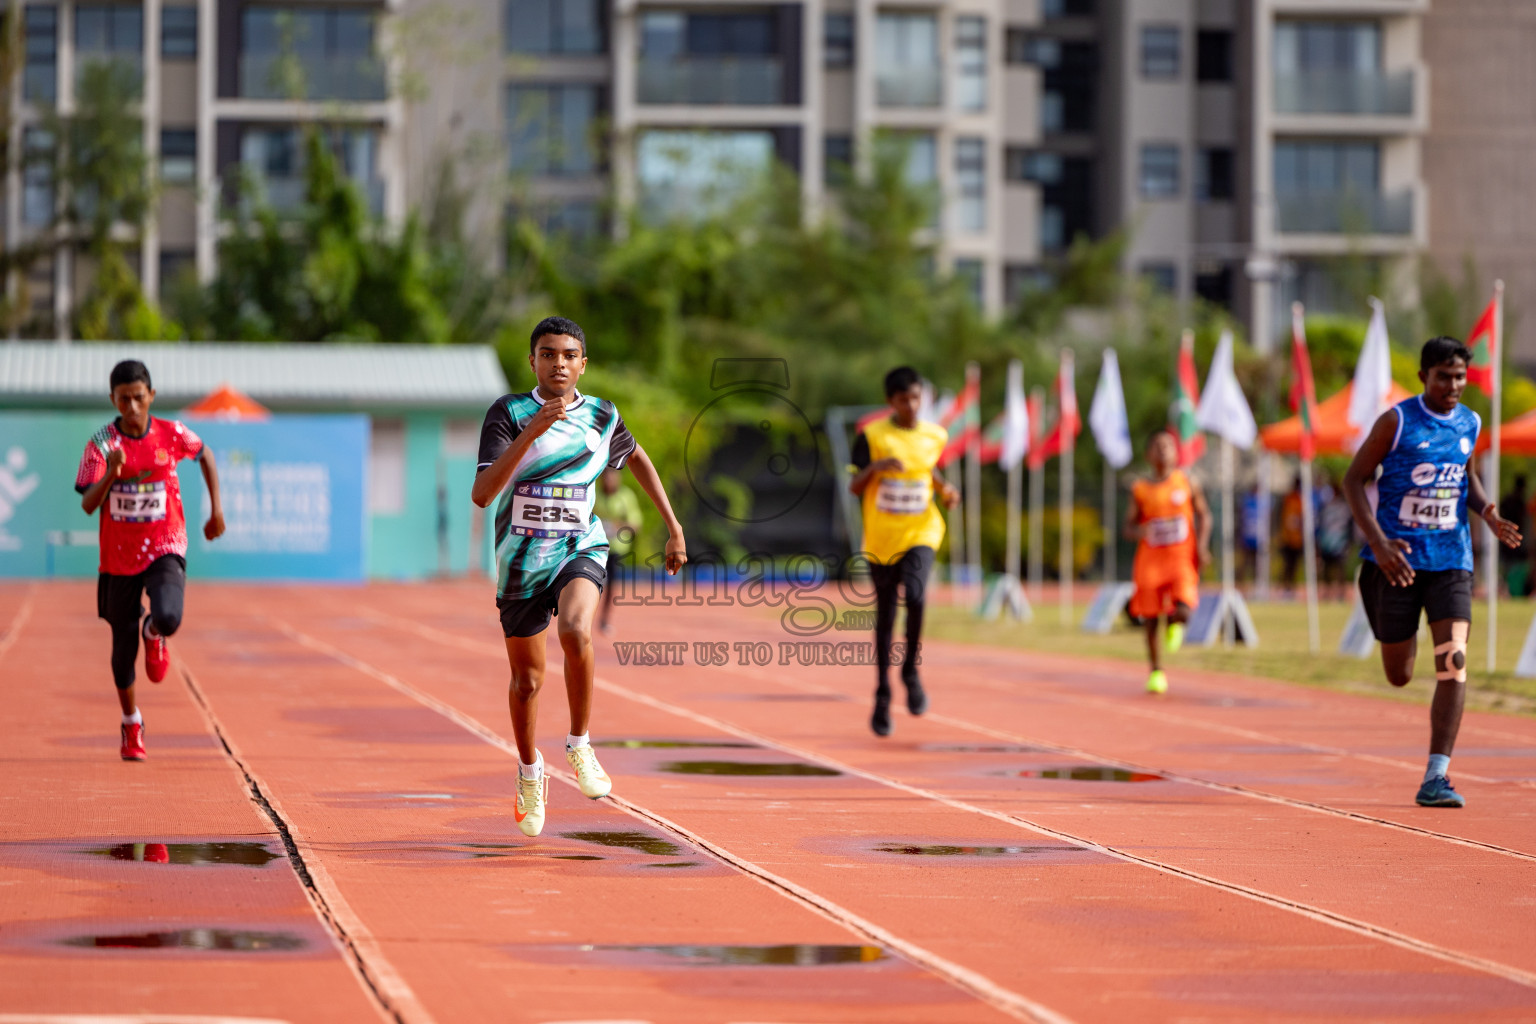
(973, 485)
(1015, 489)
(1036, 509)
(1064, 532)
(1228, 570)
(1492, 542)
(956, 531)
(1111, 570)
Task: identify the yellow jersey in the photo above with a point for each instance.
(899, 513)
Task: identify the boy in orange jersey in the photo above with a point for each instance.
(1171, 524)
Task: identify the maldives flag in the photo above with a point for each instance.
(1484, 343)
(992, 438)
(1181, 416)
(1303, 393)
(1035, 458)
(1068, 423)
(962, 421)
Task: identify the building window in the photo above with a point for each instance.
(1163, 277)
(1023, 47)
(108, 33)
(837, 40)
(550, 128)
(837, 160)
(40, 79)
(1213, 55)
(1215, 180)
(386, 467)
(1159, 171)
(176, 264)
(689, 173)
(907, 69)
(274, 159)
(1338, 46)
(972, 274)
(178, 156)
(1160, 51)
(1213, 283)
(575, 218)
(1032, 165)
(1053, 227)
(1069, 88)
(711, 58)
(1066, 8)
(1327, 167)
(971, 63)
(318, 53)
(971, 184)
(554, 26)
(36, 177)
(178, 33)
(1021, 280)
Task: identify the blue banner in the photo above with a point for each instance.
(294, 491)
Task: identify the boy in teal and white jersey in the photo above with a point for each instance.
(551, 445)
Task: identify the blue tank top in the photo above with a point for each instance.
(1423, 486)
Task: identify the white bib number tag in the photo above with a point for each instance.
(137, 503)
(1428, 513)
(903, 497)
(1162, 533)
(548, 510)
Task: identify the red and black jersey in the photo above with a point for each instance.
(142, 517)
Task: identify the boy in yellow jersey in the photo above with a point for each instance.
(895, 461)
(1171, 524)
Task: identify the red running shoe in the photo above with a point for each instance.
(133, 743)
(157, 654)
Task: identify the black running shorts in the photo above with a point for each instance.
(1394, 611)
(529, 616)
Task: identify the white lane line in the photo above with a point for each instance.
(1014, 1004)
(1341, 921)
(17, 622)
(392, 997)
(129, 1018)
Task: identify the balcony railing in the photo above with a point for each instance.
(918, 86)
(286, 194)
(712, 81)
(1363, 93)
(1345, 213)
(278, 77)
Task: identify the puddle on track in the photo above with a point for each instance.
(675, 745)
(222, 940)
(248, 854)
(943, 850)
(748, 956)
(753, 768)
(1086, 773)
(642, 841)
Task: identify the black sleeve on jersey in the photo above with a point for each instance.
(496, 434)
(622, 446)
(860, 456)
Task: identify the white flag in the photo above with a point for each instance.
(1015, 442)
(1106, 417)
(1223, 408)
(1373, 377)
(925, 408)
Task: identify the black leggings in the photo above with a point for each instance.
(911, 573)
(119, 601)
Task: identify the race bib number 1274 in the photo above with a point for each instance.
(137, 503)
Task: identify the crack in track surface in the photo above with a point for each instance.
(391, 995)
(984, 989)
(1363, 928)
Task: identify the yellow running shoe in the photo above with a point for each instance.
(532, 796)
(1157, 682)
(594, 782)
(1175, 638)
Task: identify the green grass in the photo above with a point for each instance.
(1281, 653)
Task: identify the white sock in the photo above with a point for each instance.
(574, 742)
(1439, 767)
(133, 719)
(531, 771)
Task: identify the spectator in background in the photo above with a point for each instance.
(1515, 506)
(1248, 536)
(1335, 528)
(1291, 540)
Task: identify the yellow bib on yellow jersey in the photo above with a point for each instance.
(899, 513)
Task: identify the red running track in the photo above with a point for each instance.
(323, 832)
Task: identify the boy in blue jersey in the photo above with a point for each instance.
(551, 445)
(1418, 557)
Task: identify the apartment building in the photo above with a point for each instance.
(224, 87)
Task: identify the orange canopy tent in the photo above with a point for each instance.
(225, 403)
(1332, 429)
(1516, 436)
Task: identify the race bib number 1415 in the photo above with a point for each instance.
(1428, 513)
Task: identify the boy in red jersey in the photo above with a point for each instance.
(128, 471)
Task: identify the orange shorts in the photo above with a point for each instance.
(1157, 592)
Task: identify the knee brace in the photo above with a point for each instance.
(1451, 656)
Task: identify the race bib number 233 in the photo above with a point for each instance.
(548, 510)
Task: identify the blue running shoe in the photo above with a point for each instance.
(1437, 792)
